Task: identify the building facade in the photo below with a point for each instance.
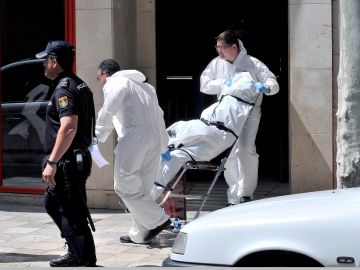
(171, 43)
(125, 29)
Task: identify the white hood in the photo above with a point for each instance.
(131, 74)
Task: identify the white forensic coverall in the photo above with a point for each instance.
(241, 172)
(202, 141)
(131, 107)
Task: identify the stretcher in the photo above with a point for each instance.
(228, 114)
(214, 165)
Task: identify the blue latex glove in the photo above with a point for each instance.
(165, 156)
(177, 224)
(261, 87)
(228, 83)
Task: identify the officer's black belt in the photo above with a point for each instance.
(219, 125)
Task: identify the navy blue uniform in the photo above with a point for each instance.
(66, 203)
(71, 96)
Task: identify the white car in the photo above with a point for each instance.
(314, 229)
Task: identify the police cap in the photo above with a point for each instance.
(58, 48)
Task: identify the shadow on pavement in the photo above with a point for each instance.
(23, 257)
(164, 240)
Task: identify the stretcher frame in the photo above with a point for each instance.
(197, 165)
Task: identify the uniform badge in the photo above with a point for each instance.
(63, 102)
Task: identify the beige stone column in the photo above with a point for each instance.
(310, 95)
(94, 42)
(146, 45)
(119, 29)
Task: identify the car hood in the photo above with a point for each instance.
(311, 205)
(302, 223)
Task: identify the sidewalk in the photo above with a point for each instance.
(29, 238)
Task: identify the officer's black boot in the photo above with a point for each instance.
(67, 260)
(83, 250)
(89, 257)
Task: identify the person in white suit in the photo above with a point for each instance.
(131, 107)
(241, 172)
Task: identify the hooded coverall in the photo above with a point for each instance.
(131, 107)
(203, 141)
(241, 172)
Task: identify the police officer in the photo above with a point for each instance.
(69, 130)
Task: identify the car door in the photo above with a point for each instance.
(25, 93)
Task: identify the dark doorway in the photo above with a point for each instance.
(185, 32)
(27, 26)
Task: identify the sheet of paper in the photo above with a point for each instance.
(97, 157)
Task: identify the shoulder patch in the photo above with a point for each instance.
(63, 102)
(64, 83)
(82, 85)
